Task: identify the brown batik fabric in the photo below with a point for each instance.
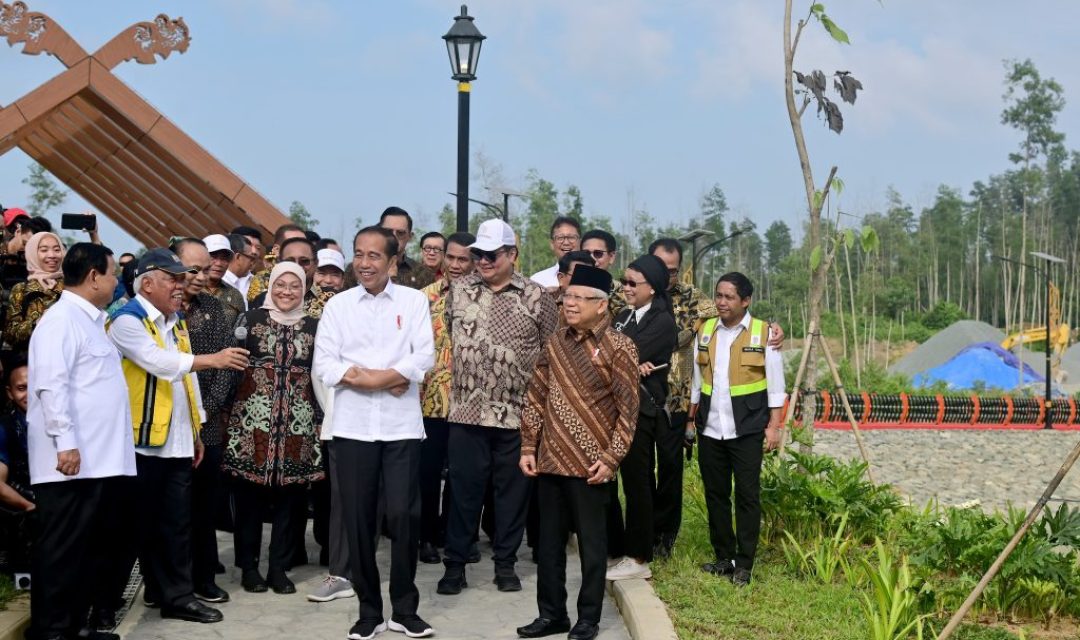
(582, 404)
(496, 339)
(692, 307)
(412, 274)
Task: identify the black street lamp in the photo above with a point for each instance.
(463, 45)
(1048, 261)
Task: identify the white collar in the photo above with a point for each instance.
(85, 305)
(743, 324)
(387, 292)
(154, 314)
(640, 312)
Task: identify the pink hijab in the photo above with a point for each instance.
(48, 279)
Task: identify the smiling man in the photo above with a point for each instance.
(498, 324)
(374, 367)
(222, 249)
(167, 414)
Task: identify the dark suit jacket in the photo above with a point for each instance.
(655, 338)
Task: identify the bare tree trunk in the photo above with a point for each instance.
(978, 260)
(854, 318)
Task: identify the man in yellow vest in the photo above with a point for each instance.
(167, 413)
(736, 402)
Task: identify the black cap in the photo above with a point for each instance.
(161, 260)
(586, 276)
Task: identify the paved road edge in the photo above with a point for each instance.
(645, 616)
(15, 619)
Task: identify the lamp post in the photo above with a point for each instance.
(463, 46)
(697, 255)
(1048, 260)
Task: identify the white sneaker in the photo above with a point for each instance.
(611, 562)
(332, 588)
(628, 569)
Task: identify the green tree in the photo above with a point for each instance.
(300, 216)
(45, 195)
(778, 244)
(573, 205)
(535, 238)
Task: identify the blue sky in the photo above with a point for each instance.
(348, 106)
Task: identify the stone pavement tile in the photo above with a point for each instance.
(478, 613)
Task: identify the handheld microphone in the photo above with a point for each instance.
(241, 335)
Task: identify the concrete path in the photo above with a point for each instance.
(480, 612)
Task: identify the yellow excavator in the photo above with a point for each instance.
(1059, 333)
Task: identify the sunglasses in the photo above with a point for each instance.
(303, 262)
(597, 254)
(631, 284)
(486, 256)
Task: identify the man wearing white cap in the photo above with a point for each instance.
(329, 279)
(499, 321)
(221, 254)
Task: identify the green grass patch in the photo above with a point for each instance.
(7, 591)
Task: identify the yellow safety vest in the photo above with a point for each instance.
(151, 398)
(746, 374)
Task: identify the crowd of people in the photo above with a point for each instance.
(219, 385)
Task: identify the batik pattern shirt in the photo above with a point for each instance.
(497, 337)
(692, 307)
(28, 302)
(435, 392)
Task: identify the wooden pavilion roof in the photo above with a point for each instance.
(110, 146)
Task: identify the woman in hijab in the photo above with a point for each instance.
(649, 322)
(29, 300)
(273, 443)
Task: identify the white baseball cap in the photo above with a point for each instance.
(217, 242)
(331, 258)
(494, 234)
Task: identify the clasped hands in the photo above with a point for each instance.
(375, 380)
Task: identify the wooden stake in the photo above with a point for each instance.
(847, 406)
(958, 617)
(793, 399)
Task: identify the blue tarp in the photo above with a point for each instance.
(983, 364)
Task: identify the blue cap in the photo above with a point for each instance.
(161, 260)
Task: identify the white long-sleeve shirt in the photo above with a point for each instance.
(547, 278)
(391, 330)
(78, 398)
(721, 419)
(168, 364)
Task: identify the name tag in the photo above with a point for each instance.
(753, 350)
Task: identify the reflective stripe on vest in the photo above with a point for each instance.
(708, 348)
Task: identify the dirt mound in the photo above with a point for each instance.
(947, 343)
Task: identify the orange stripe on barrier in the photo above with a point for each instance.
(904, 407)
(865, 407)
(826, 405)
(1008, 410)
(975, 413)
(1072, 411)
(940, 408)
(1042, 411)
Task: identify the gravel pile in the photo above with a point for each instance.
(945, 344)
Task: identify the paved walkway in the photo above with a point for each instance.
(480, 612)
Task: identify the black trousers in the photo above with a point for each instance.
(667, 504)
(720, 461)
(571, 503)
(206, 485)
(320, 503)
(477, 454)
(286, 528)
(81, 558)
(359, 468)
(638, 473)
(165, 528)
(432, 463)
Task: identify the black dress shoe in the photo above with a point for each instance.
(506, 579)
(722, 568)
(543, 627)
(253, 582)
(584, 631)
(741, 577)
(280, 583)
(102, 620)
(429, 554)
(193, 611)
(474, 554)
(92, 634)
(210, 592)
(452, 582)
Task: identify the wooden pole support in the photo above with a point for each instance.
(794, 398)
(847, 406)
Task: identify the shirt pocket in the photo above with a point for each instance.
(102, 351)
(752, 358)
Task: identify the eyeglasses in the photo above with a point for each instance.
(573, 297)
(673, 272)
(597, 254)
(283, 287)
(631, 284)
(567, 238)
(303, 262)
(431, 250)
(486, 256)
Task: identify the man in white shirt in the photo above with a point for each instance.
(737, 401)
(565, 237)
(167, 412)
(373, 348)
(81, 456)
